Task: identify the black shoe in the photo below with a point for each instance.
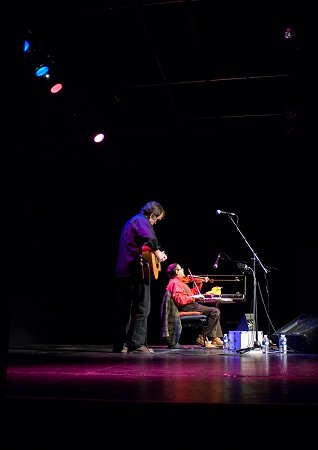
(175, 346)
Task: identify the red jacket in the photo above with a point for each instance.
(181, 292)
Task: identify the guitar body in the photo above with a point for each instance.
(152, 265)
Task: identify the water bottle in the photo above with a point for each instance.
(265, 344)
(225, 342)
(283, 344)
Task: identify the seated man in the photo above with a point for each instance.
(185, 300)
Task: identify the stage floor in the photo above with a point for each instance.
(90, 384)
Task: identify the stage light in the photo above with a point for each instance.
(56, 88)
(99, 137)
(41, 65)
(41, 71)
(49, 76)
(289, 33)
(26, 46)
(55, 84)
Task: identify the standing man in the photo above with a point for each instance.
(133, 275)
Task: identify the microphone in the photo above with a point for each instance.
(218, 211)
(216, 264)
(243, 266)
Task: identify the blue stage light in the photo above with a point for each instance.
(41, 71)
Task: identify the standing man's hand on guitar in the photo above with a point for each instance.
(161, 255)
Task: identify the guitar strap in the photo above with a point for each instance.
(144, 262)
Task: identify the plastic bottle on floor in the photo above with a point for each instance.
(225, 342)
(265, 344)
(283, 344)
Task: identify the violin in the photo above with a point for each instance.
(197, 279)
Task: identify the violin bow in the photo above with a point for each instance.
(194, 282)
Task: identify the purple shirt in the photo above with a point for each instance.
(136, 232)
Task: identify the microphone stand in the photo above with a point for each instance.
(257, 344)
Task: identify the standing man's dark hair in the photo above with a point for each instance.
(133, 281)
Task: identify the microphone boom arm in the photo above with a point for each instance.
(254, 254)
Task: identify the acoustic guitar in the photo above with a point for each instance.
(152, 265)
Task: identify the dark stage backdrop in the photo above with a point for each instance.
(68, 201)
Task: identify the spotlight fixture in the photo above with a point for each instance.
(289, 33)
(41, 71)
(41, 65)
(98, 137)
(26, 46)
